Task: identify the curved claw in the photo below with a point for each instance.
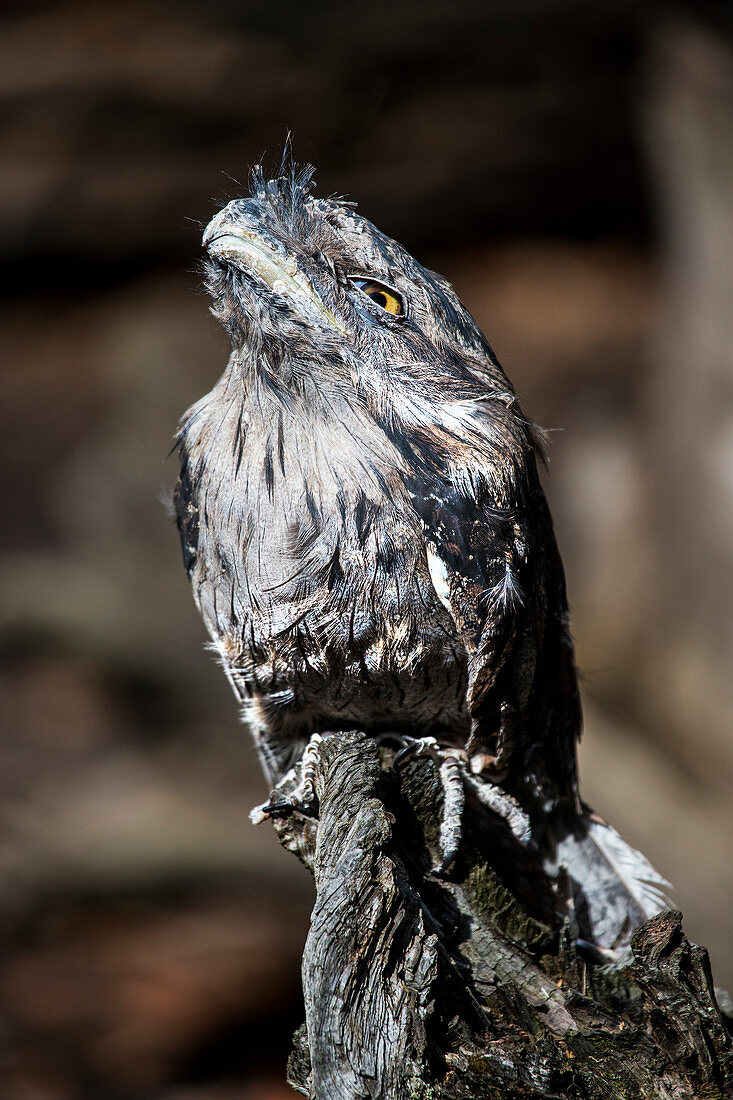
(258, 814)
(414, 745)
(303, 796)
(403, 754)
(444, 868)
(603, 955)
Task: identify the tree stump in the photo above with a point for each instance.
(474, 983)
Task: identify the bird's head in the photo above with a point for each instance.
(310, 290)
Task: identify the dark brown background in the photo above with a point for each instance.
(570, 167)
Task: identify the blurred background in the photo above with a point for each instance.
(569, 166)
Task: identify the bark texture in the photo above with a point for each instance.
(474, 984)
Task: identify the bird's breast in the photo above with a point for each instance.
(313, 575)
(343, 616)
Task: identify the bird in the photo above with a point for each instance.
(361, 512)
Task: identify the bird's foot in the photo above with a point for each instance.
(493, 797)
(303, 796)
(411, 746)
(452, 767)
(456, 775)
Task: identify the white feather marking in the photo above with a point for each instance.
(507, 593)
(645, 885)
(439, 578)
(457, 415)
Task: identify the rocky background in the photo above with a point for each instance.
(570, 167)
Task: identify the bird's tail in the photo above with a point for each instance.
(612, 886)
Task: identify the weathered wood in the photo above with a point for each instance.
(474, 984)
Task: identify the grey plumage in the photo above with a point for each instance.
(360, 508)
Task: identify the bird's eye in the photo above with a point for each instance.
(382, 295)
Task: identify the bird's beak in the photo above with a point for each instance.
(280, 273)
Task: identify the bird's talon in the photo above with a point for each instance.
(404, 753)
(415, 745)
(267, 809)
(444, 870)
(602, 955)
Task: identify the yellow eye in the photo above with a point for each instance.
(382, 296)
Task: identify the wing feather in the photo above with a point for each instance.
(494, 565)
